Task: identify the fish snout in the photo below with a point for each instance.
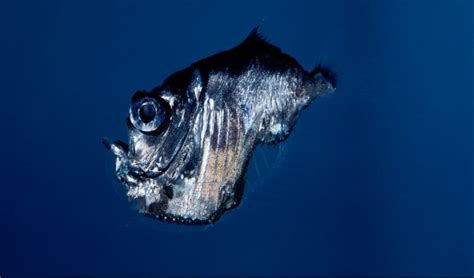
(127, 173)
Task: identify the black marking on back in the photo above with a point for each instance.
(254, 49)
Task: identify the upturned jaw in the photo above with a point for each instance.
(145, 189)
(152, 190)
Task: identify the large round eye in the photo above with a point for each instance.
(148, 114)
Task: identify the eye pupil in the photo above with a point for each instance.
(147, 112)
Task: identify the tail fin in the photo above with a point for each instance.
(327, 73)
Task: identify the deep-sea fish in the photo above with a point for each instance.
(190, 139)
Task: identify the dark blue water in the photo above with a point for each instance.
(375, 179)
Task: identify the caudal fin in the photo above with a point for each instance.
(325, 72)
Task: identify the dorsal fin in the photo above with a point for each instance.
(256, 40)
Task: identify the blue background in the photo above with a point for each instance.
(375, 179)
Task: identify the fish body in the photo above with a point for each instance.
(191, 138)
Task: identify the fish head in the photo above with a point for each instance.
(162, 166)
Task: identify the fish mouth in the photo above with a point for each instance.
(150, 170)
(141, 186)
(127, 171)
(138, 179)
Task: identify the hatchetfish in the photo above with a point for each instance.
(190, 139)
